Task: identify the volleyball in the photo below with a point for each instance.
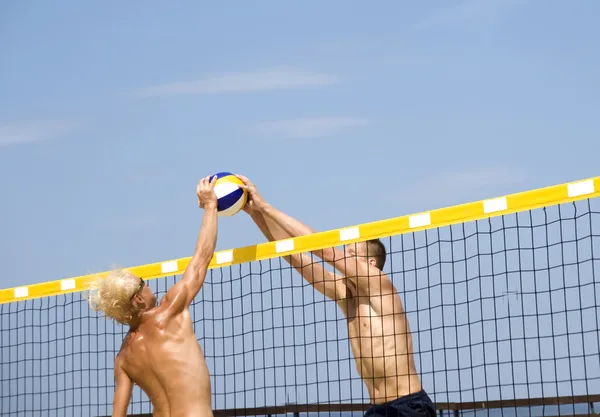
(231, 198)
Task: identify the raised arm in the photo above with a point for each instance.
(123, 390)
(359, 275)
(181, 295)
(327, 283)
(355, 272)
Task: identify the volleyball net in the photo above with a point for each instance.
(502, 297)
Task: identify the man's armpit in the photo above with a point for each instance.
(345, 287)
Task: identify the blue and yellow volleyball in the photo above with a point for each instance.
(231, 198)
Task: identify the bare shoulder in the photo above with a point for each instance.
(383, 279)
(122, 354)
(388, 296)
(121, 371)
(120, 361)
(175, 298)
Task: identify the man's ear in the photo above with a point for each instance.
(138, 301)
(372, 262)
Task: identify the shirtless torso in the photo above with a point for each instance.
(381, 343)
(377, 325)
(163, 357)
(160, 353)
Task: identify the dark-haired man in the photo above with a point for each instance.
(378, 329)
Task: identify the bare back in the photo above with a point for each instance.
(163, 357)
(381, 343)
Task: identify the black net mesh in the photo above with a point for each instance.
(500, 309)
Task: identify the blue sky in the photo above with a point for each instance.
(342, 112)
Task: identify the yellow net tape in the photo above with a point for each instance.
(528, 200)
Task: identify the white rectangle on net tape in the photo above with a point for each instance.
(168, 267)
(581, 188)
(67, 284)
(224, 257)
(349, 233)
(419, 220)
(494, 205)
(284, 245)
(21, 292)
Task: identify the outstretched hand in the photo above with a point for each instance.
(255, 201)
(206, 192)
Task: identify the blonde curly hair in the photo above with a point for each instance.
(112, 296)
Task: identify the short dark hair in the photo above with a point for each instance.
(376, 250)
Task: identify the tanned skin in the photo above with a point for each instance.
(379, 331)
(160, 352)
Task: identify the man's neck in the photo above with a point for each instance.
(136, 321)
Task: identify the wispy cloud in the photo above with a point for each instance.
(34, 131)
(307, 128)
(469, 13)
(139, 221)
(479, 178)
(456, 187)
(242, 82)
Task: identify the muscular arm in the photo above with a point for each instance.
(327, 283)
(181, 295)
(123, 389)
(358, 273)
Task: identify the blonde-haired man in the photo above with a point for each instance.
(160, 353)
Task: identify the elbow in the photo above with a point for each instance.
(204, 252)
(200, 260)
(207, 249)
(197, 264)
(330, 256)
